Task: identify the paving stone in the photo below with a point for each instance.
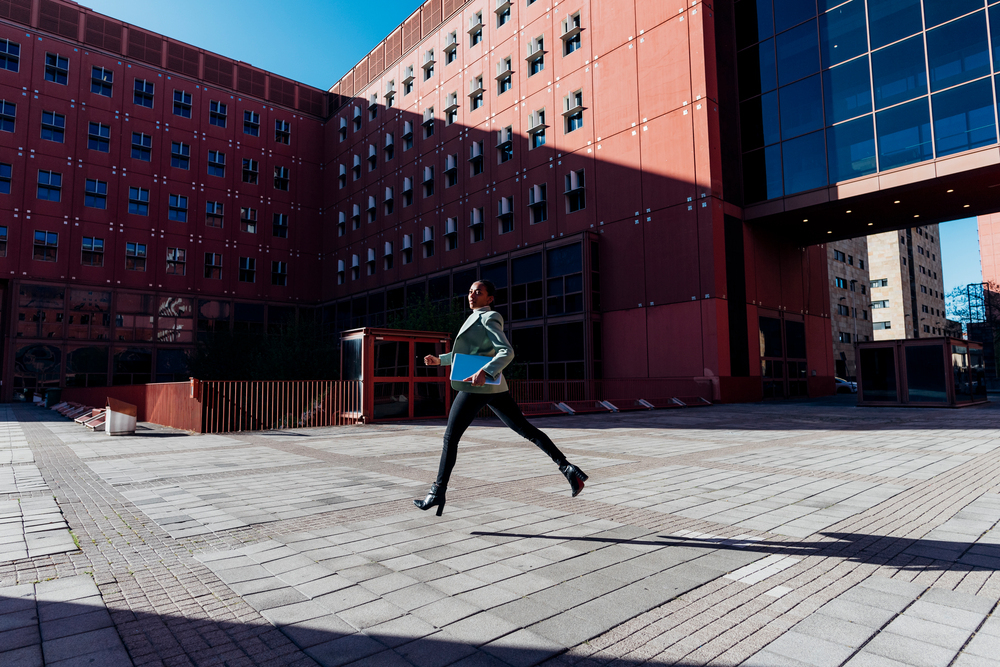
(953, 616)
(938, 634)
(810, 649)
(909, 651)
(956, 600)
(836, 630)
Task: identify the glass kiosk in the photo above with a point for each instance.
(921, 372)
(389, 365)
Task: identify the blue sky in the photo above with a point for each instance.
(317, 41)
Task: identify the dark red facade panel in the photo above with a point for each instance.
(145, 46)
(16, 10)
(59, 18)
(218, 71)
(104, 34)
(183, 59)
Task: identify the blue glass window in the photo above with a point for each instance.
(963, 118)
(892, 20)
(899, 72)
(803, 162)
(801, 107)
(753, 22)
(842, 33)
(847, 91)
(995, 35)
(762, 174)
(759, 121)
(756, 70)
(904, 135)
(792, 12)
(798, 53)
(851, 149)
(958, 52)
(939, 11)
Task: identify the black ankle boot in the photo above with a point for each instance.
(575, 476)
(435, 498)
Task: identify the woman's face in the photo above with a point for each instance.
(478, 298)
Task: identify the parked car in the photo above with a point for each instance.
(845, 386)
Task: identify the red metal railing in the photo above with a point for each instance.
(536, 391)
(254, 406)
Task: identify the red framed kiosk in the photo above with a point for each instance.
(395, 383)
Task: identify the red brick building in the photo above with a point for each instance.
(577, 155)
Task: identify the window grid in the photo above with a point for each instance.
(135, 257)
(46, 246)
(142, 94)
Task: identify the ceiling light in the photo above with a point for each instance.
(966, 206)
(805, 219)
(950, 190)
(896, 202)
(917, 215)
(829, 232)
(848, 211)
(870, 224)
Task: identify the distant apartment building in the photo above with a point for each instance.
(850, 319)
(907, 286)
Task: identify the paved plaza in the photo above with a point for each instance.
(769, 535)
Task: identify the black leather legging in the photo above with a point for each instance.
(465, 408)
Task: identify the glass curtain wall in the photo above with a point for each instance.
(871, 84)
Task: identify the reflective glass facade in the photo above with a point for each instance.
(870, 85)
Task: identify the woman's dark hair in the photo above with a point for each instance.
(489, 286)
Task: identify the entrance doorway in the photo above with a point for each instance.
(783, 365)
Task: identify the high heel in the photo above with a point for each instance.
(435, 498)
(575, 476)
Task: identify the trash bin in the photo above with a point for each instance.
(52, 396)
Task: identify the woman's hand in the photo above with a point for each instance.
(431, 360)
(477, 380)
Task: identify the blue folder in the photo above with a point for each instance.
(466, 365)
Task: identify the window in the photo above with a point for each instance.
(213, 214)
(407, 135)
(571, 33)
(372, 209)
(843, 310)
(428, 181)
(451, 48)
(884, 303)
(53, 127)
(428, 242)
(861, 264)
(927, 329)
(450, 234)
(93, 251)
(407, 191)
(182, 104)
(180, 155)
(281, 178)
(248, 270)
(356, 169)
(845, 337)
(536, 56)
(138, 201)
(135, 257)
(178, 208)
(279, 225)
(6, 174)
(573, 111)
(356, 217)
(505, 145)
(451, 111)
(505, 75)
(850, 260)
(476, 91)
(3, 241)
(923, 289)
(451, 170)
(8, 116)
(101, 81)
(428, 64)
(176, 261)
(99, 137)
(476, 231)
(476, 158)
(505, 215)
(49, 185)
(839, 256)
(881, 282)
(538, 209)
(357, 118)
(216, 163)
(428, 122)
(142, 93)
(503, 12)
(248, 220)
(279, 273)
(95, 194)
(355, 267)
(387, 256)
(841, 283)
(142, 146)
(282, 132)
(46, 246)
(536, 129)
(56, 68)
(390, 93)
(407, 249)
(881, 325)
(576, 192)
(250, 168)
(476, 29)
(341, 268)
(408, 80)
(251, 123)
(10, 55)
(924, 309)
(217, 113)
(390, 146)
(390, 204)
(213, 265)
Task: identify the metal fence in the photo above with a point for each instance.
(254, 406)
(537, 391)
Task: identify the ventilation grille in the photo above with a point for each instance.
(361, 74)
(103, 34)
(411, 33)
(16, 10)
(218, 71)
(145, 46)
(59, 19)
(250, 81)
(310, 101)
(282, 92)
(182, 59)
(431, 16)
(452, 6)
